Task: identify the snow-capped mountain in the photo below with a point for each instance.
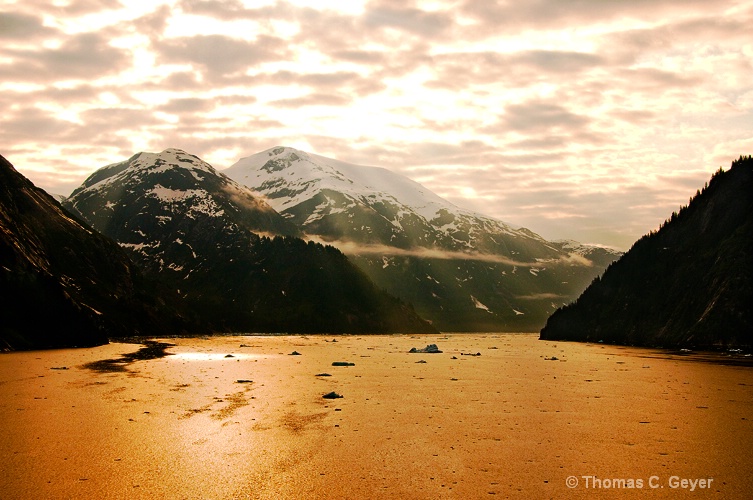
(460, 269)
(208, 236)
(341, 202)
(165, 185)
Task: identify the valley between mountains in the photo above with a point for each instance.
(212, 235)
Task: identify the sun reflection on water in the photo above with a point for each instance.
(213, 356)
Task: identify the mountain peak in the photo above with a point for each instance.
(145, 163)
(308, 175)
(286, 151)
(166, 182)
(172, 158)
(173, 151)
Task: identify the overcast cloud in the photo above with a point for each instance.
(582, 119)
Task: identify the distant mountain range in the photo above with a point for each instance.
(461, 270)
(64, 284)
(163, 243)
(233, 259)
(212, 255)
(689, 284)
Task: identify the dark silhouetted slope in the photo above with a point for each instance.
(64, 284)
(686, 285)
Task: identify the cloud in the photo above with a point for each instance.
(81, 56)
(411, 20)
(557, 61)
(722, 153)
(462, 70)
(225, 9)
(345, 82)
(542, 296)
(630, 45)
(72, 7)
(354, 248)
(22, 27)
(153, 23)
(541, 116)
(220, 55)
(653, 79)
(367, 57)
(547, 14)
(31, 122)
(584, 119)
(316, 99)
(184, 81)
(188, 105)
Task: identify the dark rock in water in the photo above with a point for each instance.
(689, 284)
(332, 395)
(343, 363)
(323, 375)
(429, 349)
(243, 381)
(294, 353)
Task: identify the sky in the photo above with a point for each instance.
(589, 120)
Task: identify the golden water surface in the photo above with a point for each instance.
(505, 415)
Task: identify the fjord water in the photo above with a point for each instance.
(242, 417)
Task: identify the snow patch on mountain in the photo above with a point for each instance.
(198, 200)
(141, 247)
(477, 303)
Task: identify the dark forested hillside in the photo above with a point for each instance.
(64, 284)
(687, 284)
(207, 236)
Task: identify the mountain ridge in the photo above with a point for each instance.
(688, 284)
(308, 188)
(209, 237)
(444, 259)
